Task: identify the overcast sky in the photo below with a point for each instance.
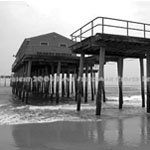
(22, 19)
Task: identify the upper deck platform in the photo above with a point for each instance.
(119, 37)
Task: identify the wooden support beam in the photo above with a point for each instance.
(68, 84)
(24, 85)
(100, 81)
(58, 81)
(142, 82)
(76, 83)
(148, 82)
(52, 82)
(120, 82)
(86, 85)
(104, 96)
(63, 85)
(29, 64)
(29, 68)
(46, 82)
(80, 76)
(92, 84)
(72, 83)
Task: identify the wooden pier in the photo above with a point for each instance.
(47, 66)
(40, 65)
(99, 38)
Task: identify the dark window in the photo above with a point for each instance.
(63, 45)
(44, 43)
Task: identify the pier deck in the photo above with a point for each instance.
(113, 38)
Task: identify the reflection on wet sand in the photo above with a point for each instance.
(127, 133)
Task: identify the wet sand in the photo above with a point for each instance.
(128, 129)
(128, 133)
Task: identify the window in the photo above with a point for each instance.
(44, 43)
(63, 45)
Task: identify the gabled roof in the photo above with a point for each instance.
(53, 35)
(48, 34)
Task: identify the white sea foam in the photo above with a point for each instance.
(10, 114)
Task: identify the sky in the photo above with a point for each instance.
(23, 19)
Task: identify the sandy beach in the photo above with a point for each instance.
(130, 133)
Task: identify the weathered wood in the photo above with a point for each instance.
(52, 82)
(76, 83)
(63, 85)
(142, 82)
(148, 82)
(58, 81)
(80, 76)
(120, 82)
(28, 82)
(86, 85)
(68, 84)
(92, 83)
(104, 96)
(72, 84)
(46, 82)
(100, 80)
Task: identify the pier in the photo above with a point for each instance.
(47, 66)
(109, 37)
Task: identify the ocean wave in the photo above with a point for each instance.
(22, 114)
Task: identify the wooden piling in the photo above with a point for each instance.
(92, 83)
(148, 82)
(68, 84)
(76, 83)
(80, 76)
(142, 82)
(46, 82)
(28, 82)
(86, 85)
(104, 96)
(58, 81)
(120, 82)
(100, 80)
(72, 83)
(63, 85)
(52, 82)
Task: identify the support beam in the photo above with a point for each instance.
(72, 83)
(100, 81)
(29, 69)
(28, 82)
(76, 83)
(68, 84)
(92, 84)
(46, 82)
(58, 81)
(142, 82)
(104, 97)
(148, 82)
(80, 76)
(63, 85)
(86, 85)
(52, 82)
(120, 82)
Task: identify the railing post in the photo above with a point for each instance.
(144, 31)
(102, 25)
(127, 28)
(80, 34)
(92, 33)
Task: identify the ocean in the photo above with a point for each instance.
(13, 111)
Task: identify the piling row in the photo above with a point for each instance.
(53, 83)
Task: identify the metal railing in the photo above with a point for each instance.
(107, 25)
